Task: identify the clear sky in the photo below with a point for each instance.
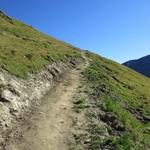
(116, 29)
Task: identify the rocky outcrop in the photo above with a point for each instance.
(17, 96)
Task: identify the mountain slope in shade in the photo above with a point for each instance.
(141, 65)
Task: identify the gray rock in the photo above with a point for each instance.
(17, 95)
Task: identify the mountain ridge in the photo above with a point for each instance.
(141, 65)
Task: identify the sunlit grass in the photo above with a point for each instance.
(123, 89)
(24, 50)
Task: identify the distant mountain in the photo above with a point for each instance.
(141, 65)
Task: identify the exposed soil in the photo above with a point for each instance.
(49, 126)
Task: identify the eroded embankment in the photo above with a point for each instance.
(49, 127)
(18, 96)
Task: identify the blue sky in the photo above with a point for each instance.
(116, 29)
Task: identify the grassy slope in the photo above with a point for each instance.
(126, 95)
(116, 89)
(23, 49)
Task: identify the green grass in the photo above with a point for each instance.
(117, 90)
(24, 49)
(79, 104)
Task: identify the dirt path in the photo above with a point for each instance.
(50, 127)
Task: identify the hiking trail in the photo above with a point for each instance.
(49, 127)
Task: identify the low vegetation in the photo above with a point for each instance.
(115, 100)
(118, 116)
(24, 50)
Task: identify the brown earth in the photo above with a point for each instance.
(49, 128)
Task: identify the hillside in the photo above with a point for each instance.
(31, 63)
(55, 96)
(141, 65)
(117, 107)
(24, 50)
